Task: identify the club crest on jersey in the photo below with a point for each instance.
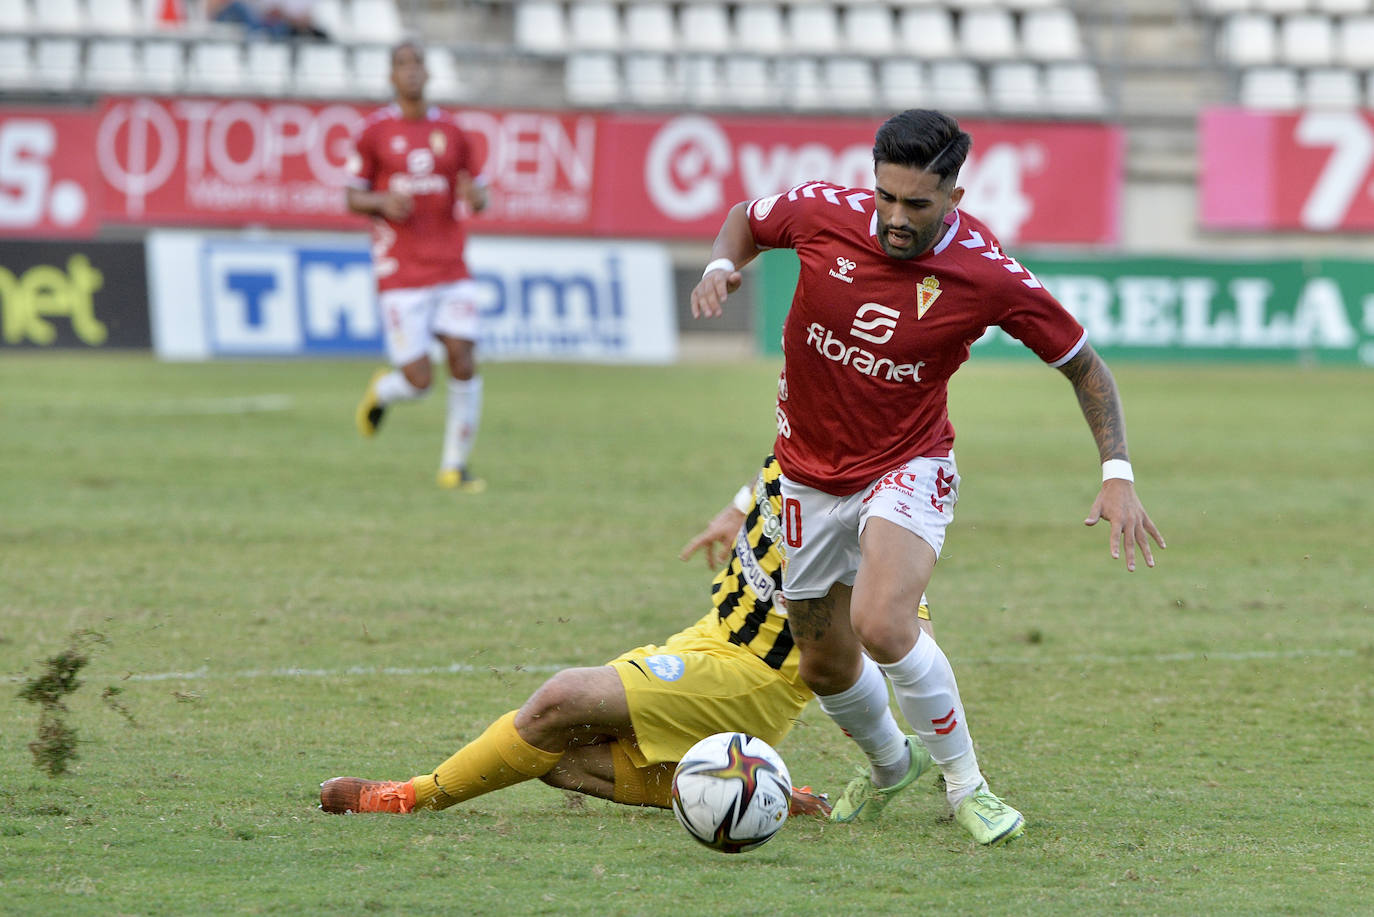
(845, 266)
(927, 291)
(665, 666)
(398, 144)
(437, 143)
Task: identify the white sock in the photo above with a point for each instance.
(394, 386)
(460, 423)
(928, 696)
(863, 713)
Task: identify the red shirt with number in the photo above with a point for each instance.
(421, 157)
(871, 341)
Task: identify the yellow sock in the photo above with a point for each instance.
(496, 759)
(641, 786)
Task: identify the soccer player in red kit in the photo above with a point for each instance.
(896, 284)
(411, 170)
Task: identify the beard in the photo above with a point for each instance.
(921, 240)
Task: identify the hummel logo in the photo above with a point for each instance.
(880, 320)
(845, 266)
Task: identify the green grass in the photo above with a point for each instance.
(1193, 739)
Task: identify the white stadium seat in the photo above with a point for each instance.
(813, 28)
(330, 17)
(594, 26)
(1073, 89)
(650, 26)
(164, 66)
(868, 29)
(704, 27)
(987, 34)
(113, 16)
(112, 65)
(15, 16)
(902, 84)
(1280, 6)
(1222, 7)
(58, 16)
(957, 85)
(750, 80)
(650, 79)
(267, 68)
(799, 78)
(1015, 86)
(372, 70)
(1355, 42)
(592, 78)
(701, 81)
(1341, 7)
(445, 84)
(540, 26)
(931, 29)
(215, 66)
(56, 63)
(16, 66)
(375, 20)
(321, 70)
(1307, 40)
(1248, 39)
(1270, 87)
(759, 28)
(849, 82)
(1332, 88)
(1051, 34)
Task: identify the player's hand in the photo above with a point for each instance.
(397, 206)
(708, 296)
(1130, 524)
(719, 533)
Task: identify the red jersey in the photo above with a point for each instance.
(871, 341)
(421, 157)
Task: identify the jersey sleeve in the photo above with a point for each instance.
(780, 220)
(1032, 315)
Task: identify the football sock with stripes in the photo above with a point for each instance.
(460, 421)
(863, 712)
(928, 696)
(496, 759)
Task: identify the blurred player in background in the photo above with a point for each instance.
(412, 168)
(617, 731)
(896, 284)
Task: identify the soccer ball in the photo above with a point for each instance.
(731, 792)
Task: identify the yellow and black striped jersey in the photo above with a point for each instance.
(747, 593)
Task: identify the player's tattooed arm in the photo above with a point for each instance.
(1097, 395)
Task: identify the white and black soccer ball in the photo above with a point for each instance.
(731, 792)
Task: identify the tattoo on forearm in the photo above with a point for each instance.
(1097, 396)
(809, 619)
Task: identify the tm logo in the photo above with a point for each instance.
(874, 323)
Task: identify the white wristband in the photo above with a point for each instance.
(1117, 468)
(720, 264)
(744, 499)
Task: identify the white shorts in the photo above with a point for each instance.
(411, 318)
(822, 531)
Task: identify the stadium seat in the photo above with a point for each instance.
(15, 17)
(649, 26)
(848, 82)
(1355, 42)
(321, 70)
(330, 17)
(58, 16)
(701, 81)
(372, 70)
(930, 29)
(1248, 39)
(987, 34)
(112, 65)
(215, 66)
(1015, 86)
(445, 83)
(540, 26)
(759, 28)
(813, 28)
(1280, 6)
(375, 20)
(957, 85)
(1270, 87)
(869, 29)
(649, 79)
(800, 82)
(1307, 40)
(592, 78)
(267, 68)
(1341, 7)
(56, 63)
(750, 80)
(1073, 89)
(164, 68)
(1330, 87)
(1222, 7)
(113, 17)
(16, 66)
(1051, 34)
(704, 27)
(594, 26)
(902, 84)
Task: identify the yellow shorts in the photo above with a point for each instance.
(697, 684)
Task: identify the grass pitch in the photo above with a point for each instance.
(281, 602)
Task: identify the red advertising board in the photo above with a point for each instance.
(281, 163)
(46, 164)
(1308, 170)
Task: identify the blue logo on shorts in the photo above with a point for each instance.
(669, 668)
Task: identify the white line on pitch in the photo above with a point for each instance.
(458, 668)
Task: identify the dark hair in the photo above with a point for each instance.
(407, 43)
(923, 139)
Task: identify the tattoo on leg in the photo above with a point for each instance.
(809, 619)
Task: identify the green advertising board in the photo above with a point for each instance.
(1316, 311)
